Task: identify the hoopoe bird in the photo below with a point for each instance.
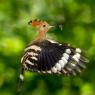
(50, 57)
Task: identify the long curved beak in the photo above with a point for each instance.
(51, 26)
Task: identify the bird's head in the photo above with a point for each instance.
(41, 25)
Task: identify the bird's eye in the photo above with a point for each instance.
(44, 25)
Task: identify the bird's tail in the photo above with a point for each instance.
(21, 79)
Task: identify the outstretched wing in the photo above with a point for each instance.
(51, 57)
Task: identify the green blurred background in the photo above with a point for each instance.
(78, 17)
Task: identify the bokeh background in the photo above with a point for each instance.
(78, 18)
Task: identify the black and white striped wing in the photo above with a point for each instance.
(52, 57)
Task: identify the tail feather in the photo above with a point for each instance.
(21, 79)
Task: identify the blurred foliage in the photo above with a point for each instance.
(78, 17)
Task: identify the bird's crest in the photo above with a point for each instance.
(36, 22)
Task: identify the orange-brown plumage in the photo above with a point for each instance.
(42, 26)
(37, 23)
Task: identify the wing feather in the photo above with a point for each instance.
(52, 55)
